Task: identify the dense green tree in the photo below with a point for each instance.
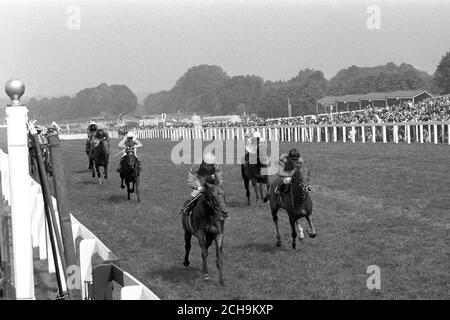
(442, 74)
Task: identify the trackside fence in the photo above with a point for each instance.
(408, 132)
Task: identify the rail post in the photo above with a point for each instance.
(61, 200)
(20, 185)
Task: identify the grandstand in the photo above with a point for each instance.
(374, 99)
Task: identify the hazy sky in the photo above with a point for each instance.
(148, 45)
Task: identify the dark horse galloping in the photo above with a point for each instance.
(296, 201)
(206, 222)
(252, 172)
(129, 172)
(100, 154)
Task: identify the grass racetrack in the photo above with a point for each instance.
(385, 204)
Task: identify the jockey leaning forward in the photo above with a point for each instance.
(198, 173)
(129, 142)
(91, 129)
(289, 163)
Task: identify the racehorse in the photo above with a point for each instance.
(252, 172)
(296, 201)
(129, 172)
(33, 160)
(206, 222)
(100, 154)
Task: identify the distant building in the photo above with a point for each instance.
(376, 99)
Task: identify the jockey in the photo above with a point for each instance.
(91, 129)
(56, 126)
(129, 141)
(198, 173)
(289, 163)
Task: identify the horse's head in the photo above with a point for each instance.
(130, 157)
(300, 179)
(215, 197)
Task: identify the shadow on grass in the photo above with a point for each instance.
(236, 203)
(177, 274)
(88, 182)
(267, 247)
(82, 171)
(117, 198)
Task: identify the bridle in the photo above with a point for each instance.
(219, 212)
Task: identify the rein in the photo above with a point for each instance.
(216, 210)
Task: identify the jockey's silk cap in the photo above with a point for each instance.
(130, 134)
(256, 134)
(92, 122)
(294, 154)
(209, 158)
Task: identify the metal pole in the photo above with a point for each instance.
(50, 217)
(61, 199)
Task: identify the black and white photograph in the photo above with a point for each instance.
(234, 151)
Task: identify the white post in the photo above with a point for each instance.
(448, 134)
(311, 134)
(326, 134)
(335, 134)
(417, 133)
(384, 134)
(363, 134)
(408, 132)
(395, 131)
(435, 134)
(429, 133)
(421, 133)
(319, 133)
(353, 134)
(374, 136)
(344, 133)
(20, 187)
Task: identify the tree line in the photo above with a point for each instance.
(207, 89)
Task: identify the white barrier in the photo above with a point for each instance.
(88, 247)
(436, 132)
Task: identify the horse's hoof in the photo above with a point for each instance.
(312, 234)
(222, 283)
(186, 263)
(293, 246)
(278, 244)
(122, 187)
(206, 277)
(300, 238)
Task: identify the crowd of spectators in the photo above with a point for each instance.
(433, 109)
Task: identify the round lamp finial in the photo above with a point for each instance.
(15, 88)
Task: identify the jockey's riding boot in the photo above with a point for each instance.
(185, 209)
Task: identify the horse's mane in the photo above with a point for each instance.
(212, 180)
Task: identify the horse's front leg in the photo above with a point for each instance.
(301, 235)
(128, 189)
(93, 170)
(266, 198)
(219, 245)
(138, 193)
(105, 174)
(187, 246)
(255, 187)
(312, 231)
(122, 186)
(294, 232)
(204, 248)
(260, 187)
(275, 221)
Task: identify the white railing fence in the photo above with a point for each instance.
(87, 248)
(408, 132)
